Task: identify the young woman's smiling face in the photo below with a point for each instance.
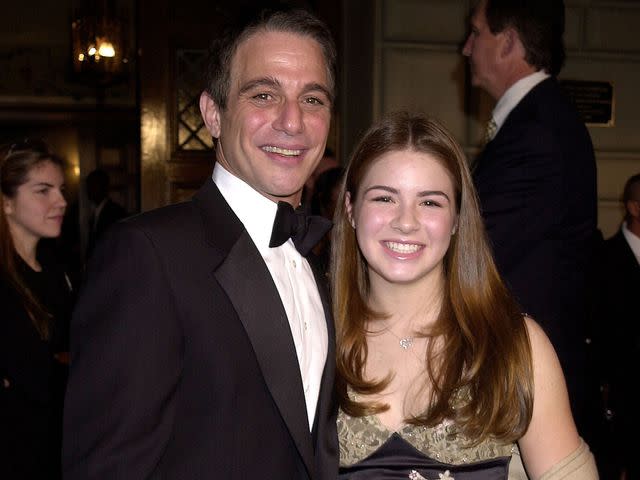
(404, 216)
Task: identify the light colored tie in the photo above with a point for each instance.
(490, 132)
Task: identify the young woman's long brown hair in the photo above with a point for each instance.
(15, 166)
(483, 348)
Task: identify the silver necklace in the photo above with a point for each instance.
(405, 342)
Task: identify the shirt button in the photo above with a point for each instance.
(293, 262)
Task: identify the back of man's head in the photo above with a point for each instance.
(631, 198)
(97, 183)
(294, 21)
(540, 26)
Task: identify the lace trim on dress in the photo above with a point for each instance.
(361, 436)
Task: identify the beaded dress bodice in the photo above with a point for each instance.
(369, 450)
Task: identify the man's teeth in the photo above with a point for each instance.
(282, 151)
(402, 247)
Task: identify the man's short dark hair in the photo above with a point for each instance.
(294, 21)
(97, 184)
(540, 25)
(99, 177)
(632, 189)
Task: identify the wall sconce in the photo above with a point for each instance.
(100, 43)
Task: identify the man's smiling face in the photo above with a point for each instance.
(273, 131)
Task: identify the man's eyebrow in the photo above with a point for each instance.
(318, 87)
(274, 83)
(42, 184)
(259, 82)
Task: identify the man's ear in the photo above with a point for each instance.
(348, 206)
(210, 114)
(511, 44)
(633, 207)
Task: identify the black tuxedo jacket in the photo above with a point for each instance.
(183, 364)
(536, 182)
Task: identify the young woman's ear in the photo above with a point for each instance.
(348, 206)
(7, 205)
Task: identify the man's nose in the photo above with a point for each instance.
(466, 49)
(290, 118)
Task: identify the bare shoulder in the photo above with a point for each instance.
(552, 434)
(548, 378)
(542, 351)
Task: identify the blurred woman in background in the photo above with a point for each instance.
(36, 299)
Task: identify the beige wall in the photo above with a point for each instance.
(417, 66)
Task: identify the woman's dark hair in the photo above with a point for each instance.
(15, 166)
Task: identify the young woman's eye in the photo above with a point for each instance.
(431, 203)
(382, 198)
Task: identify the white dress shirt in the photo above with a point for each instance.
(632, 239)
(292, 276)
(513, 95)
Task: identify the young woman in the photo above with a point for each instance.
(440, 374)
(35, 299)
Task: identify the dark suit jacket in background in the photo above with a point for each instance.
(183, 363)
(110, 213)
(618, 324)
(536, 181)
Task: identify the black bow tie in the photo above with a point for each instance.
(305, 230)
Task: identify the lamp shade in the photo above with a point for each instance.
(99, 42)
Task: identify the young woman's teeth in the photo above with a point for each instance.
(402, 247)
(282, 151)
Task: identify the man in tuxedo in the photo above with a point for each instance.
(536, 176)
(617, 317)
(202, 346)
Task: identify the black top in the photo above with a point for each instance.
(32, 382)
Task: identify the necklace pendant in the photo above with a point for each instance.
(406, 343)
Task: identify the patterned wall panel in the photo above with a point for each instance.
(192, 134)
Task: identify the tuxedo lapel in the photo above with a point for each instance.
(247, 282)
